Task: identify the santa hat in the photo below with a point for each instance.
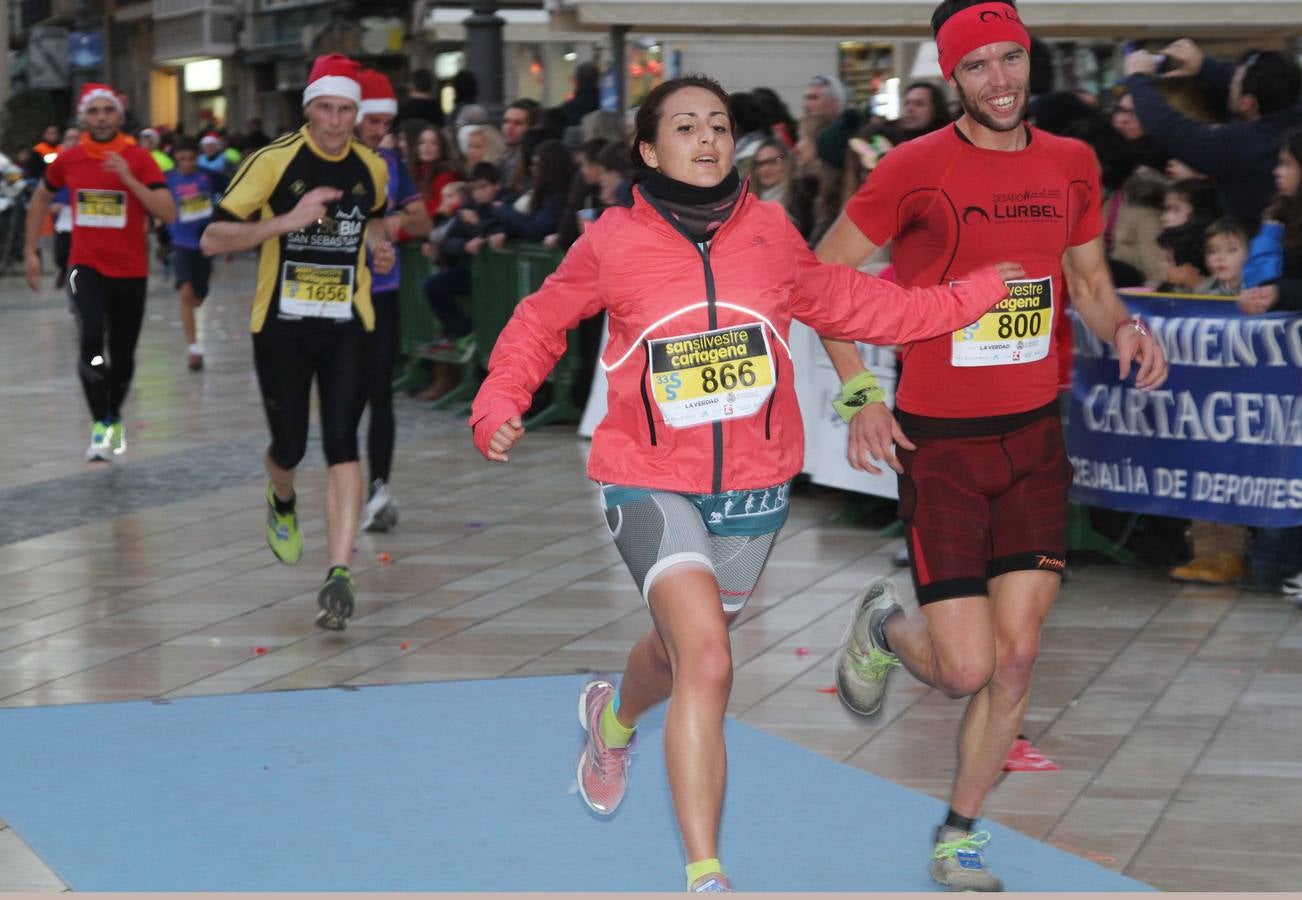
(210, 138)
(92, 91)
(377, 94)
(333, 76)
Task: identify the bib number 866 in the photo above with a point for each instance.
(728, 376)
(1019, 324)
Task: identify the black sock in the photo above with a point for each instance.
(879, 631)
(284, 506)
(334, 569)
(962, 823)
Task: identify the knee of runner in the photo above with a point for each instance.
(1016, 661)
(706, 664)
(965, 678)
(341, 450)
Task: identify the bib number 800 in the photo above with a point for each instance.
(728, 376)
(1019, 325)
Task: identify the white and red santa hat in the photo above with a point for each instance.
(92, 91)
(377, 94)
(334, 75)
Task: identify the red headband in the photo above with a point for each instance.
(976, 26)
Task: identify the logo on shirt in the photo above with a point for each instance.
(359, 189)
(298, 187)
(1043, 205)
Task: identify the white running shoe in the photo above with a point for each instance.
(380, 513)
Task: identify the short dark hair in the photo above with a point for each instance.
(648, 114)
(1228, 226)
(1186, 245)
(614, 158)
(486, 171)
(422, 80)
(1201, 195)
(1273, 79)
(947, 8)
(530, 108)
(185, 143)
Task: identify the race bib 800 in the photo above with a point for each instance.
(711, 376)
(1016, 330)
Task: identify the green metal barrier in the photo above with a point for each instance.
(499, 280)
(418, 327)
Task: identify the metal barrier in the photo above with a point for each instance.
(499, 280)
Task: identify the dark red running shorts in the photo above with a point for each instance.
(977, 505)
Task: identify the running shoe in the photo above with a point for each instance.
(957, 861)
(714, 883)
(1292, 584)
(380, 513)
(458, 352)
(194, 361)
(117, 436)
(100, 450)
(283, 535)
(862, 666)
(603, 771)
(336, 600)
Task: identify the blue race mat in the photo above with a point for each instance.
(415, 788)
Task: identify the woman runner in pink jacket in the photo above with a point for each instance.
(700, 281)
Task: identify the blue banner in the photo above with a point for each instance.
(1221, 440)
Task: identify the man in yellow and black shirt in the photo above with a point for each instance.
(312, 201)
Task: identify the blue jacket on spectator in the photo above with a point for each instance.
(531, 227)
(1240, 156)
(1265, 255)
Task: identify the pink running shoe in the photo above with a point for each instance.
(603, 771)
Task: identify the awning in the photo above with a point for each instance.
(854, 18)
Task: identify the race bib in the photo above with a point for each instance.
(196, 208)
(1018, 329)
(316, 291)
(712, 375)
(101, 209)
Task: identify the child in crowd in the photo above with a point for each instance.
(464, 238)
(1275, 560)
(1190, 200)
(1186, 267)
(1227, 253)
(192, 188)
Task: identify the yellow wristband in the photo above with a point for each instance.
(857, 393)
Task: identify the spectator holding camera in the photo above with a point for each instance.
(1262, 93)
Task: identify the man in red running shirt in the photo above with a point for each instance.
(113, 188)
(983, 470)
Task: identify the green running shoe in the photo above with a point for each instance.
(117, 437)
(283, 535)
(336, 600)
(862, 665)
(957, 861)
(99, 450)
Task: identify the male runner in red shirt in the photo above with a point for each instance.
(113, 188)
(983, 468)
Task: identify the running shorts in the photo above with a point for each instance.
(191, 265)
(286, 366)
(978, 506)
(730, 533)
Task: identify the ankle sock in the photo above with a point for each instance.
(284, 507)
(614, 733)
(702, 867)
(962, 823)
(879, 631)
(338, 570)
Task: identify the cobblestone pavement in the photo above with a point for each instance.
(1173, 711)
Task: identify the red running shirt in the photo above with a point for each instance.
(108, 222)
(950, 207)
